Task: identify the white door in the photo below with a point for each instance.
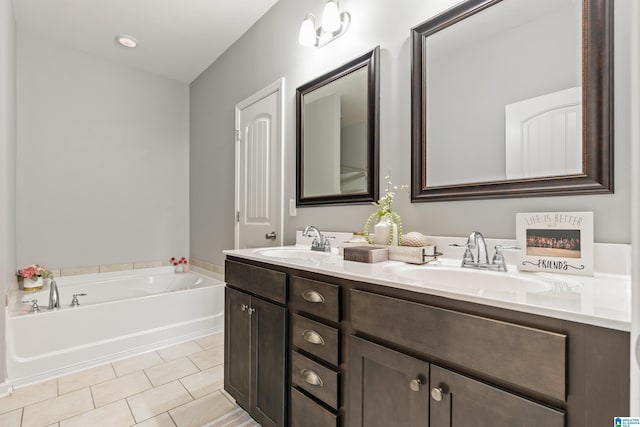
(259, 127)
(544, 135)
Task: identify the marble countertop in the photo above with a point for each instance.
(602, 300)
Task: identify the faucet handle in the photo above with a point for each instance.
(34, 305)
(74, 300)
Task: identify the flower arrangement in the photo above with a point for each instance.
(33, 272)
(181, 264)
(176, 262)
(385, 211)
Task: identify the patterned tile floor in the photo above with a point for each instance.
(178, 386)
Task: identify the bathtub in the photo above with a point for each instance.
(123, 313)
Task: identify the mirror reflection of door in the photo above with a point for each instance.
(335, 137)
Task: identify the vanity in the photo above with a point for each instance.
(313, 340)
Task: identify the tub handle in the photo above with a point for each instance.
(74, 300)
(34, 305)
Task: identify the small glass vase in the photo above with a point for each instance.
(385, 232)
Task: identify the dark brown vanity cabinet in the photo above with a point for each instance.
(325, 351)
(255, 343)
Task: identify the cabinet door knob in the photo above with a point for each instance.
(437, 393)
(251, 311)
(244, 307)
(312, 337)
(310, 377)
(313, 296)
(414, 385)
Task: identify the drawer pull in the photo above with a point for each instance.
(313, 296)
(414, 385)
(312, 337)
(310, 377)
(437, 393)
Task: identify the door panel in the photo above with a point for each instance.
(258, 169)
(268, 362)
(469, 403)
(380, 387)
(237, 349)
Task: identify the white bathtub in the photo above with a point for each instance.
(123, 313)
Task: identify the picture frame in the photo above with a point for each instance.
(555, 242)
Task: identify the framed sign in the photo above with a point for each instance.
(555, 242)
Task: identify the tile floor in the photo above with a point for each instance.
(174, 386)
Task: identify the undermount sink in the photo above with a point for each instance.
(294, 253)
(475, 282)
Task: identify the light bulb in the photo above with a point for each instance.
(331, 17)
(307, 36)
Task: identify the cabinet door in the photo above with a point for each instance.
(458, 401)
(386, 388)
(237, 348)
(268, 326)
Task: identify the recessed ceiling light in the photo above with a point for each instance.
(126, 40)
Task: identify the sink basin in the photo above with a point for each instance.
(294, 254)
(474, 282)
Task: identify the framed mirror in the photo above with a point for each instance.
(513, 98)
(337, 124)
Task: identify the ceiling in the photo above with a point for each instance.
(177, 39)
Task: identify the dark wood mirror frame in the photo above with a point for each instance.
(597, 106)
(371, 60)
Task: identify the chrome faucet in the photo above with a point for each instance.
(320, 243)
(54, 296)
(481, 260)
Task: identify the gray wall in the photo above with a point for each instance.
(270, 50)
(103, 158)
(7, 160)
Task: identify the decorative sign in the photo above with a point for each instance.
(556, 242)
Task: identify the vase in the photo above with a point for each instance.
(382, 231)
(32, 285)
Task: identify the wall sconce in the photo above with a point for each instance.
(334, 24)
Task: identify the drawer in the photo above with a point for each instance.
(315, 338)
(318, 298)
(260, 281)
(305, 412)
(314, 378)
(486, 347)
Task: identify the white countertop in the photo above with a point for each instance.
(602, 300)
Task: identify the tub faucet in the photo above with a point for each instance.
(320, 243)
(54, 296)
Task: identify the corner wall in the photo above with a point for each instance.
(270, 50)
(103, 158)
(8, 132)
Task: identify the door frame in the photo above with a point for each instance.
(275, 87)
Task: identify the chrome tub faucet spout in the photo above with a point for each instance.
(320, 243)
(54, 296)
